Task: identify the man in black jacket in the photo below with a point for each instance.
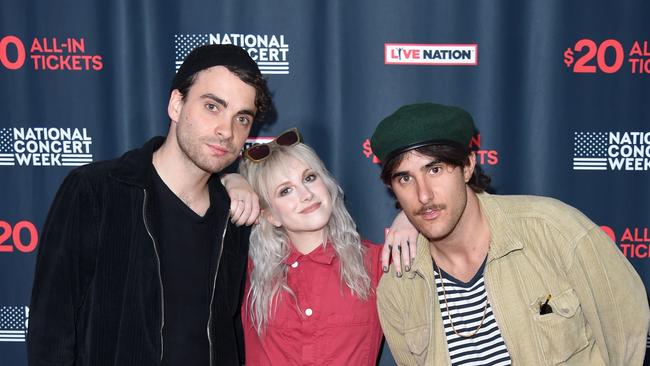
(138, 262)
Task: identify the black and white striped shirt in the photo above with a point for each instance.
(467, 303)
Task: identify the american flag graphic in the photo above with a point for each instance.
(7, 147)
(13, 323)
(76, 159)
(590, 151)
(185, 43)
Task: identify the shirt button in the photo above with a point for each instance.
(308, 312)
(294, 264)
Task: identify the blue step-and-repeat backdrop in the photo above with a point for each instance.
(560, 91)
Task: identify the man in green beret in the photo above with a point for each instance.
(497, 280)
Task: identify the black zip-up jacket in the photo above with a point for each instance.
(97, 297)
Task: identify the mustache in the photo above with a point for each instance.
(426, 208)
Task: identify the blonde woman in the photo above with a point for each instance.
(310, 292)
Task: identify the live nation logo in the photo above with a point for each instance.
(270, 51)
(634, 242)
(48, 53)
(483, 156)
(629, 151)
(45, 146)
(431, 54)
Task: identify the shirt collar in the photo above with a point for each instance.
(323, 254)
(422, 262)
(503, 239)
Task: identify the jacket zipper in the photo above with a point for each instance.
(214, 285)
(155, 249)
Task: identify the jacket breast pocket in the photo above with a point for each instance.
(417, 341)
(562, 333)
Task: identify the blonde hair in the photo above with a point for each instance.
(269, 245)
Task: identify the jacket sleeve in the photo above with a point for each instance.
(64, 265)
(613, 298)
(391, 318)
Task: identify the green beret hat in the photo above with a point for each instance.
(416, 125)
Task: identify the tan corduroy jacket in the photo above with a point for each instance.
(539, 246)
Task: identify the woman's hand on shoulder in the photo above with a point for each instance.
(244, 202)
(400, 245)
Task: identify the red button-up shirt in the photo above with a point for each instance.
(333, 326)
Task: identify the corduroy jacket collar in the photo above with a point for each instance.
(133, 166)
(502, 239)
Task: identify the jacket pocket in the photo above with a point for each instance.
(562, 333)
(417, 341)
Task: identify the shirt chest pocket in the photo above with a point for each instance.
(562, 333)
(417, 341)
(354, 319)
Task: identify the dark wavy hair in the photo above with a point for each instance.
(454, 155)
(257, 81)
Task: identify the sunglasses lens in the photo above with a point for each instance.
(258, 152)
(288, 138)
(262, 151)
